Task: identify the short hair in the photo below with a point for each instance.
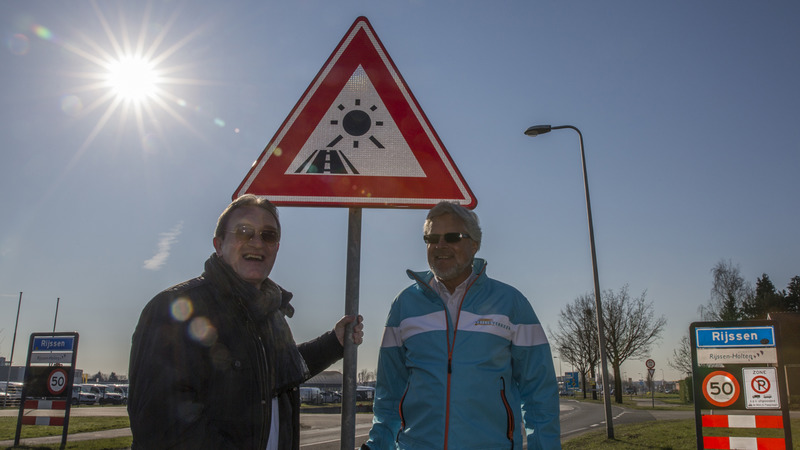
(467, 217)
(243, 201)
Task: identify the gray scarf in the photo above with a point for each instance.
(268, 309)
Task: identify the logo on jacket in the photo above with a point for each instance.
(490, 322)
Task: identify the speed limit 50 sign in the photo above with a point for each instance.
(57, 381)
(721, 388)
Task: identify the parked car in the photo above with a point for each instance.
(331, 397)
(80, 397)
(10, 395)
(122, 389)
(106, 394)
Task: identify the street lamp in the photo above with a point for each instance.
(560, 373)
(601, 336)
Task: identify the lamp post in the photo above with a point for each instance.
(601, 336)
(560, 373)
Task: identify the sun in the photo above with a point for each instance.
(128, 76)
(133, 79)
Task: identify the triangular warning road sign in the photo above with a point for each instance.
(357, 138)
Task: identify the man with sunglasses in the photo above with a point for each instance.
(464, 361)
(213, 361)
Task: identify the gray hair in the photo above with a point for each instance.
(467, 217)
(246, 200)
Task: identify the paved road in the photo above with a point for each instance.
(579, 417)
(322, 431)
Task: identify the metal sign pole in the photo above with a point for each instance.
(55, 319)
(11, 361)
(348, 435)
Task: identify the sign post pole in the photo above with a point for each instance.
(651, 370)
(348, 434)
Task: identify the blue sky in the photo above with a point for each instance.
(689, 112)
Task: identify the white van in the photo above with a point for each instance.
(81, 397)
(310, 395)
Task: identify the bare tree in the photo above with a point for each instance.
(682, 357)
(365, 376)
(576, 337)
(729, 293)
(631, 329)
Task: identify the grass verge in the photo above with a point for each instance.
(8, 429)
(661, 435)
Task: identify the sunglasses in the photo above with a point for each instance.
(244, 233)
(450, 238)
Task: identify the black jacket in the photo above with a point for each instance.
(199, 375)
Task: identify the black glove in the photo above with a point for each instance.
(364, 446)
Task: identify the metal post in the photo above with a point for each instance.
(13, 344)
(652, 390)
(348, 434)
(600, 321)
(58, 300)
(535, 131)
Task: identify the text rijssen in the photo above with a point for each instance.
(49, 344)
(726, 336)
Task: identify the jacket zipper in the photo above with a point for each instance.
(509, 414)
(450, 347)
(400, 412)
(263, 369)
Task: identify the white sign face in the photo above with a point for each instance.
(710, 356)
(57, 381)
(721, 389)
(650, 363)
(761, 388)
(52, 358)
(357, 136)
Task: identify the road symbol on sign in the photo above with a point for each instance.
(721, 388)
(57, 381)
(350, 139)
(650, 363)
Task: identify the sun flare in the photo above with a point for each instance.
(132, 79)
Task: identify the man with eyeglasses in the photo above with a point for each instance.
(213, 361)
(464, 361)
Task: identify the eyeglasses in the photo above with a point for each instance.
(450, 238)
(244, 233)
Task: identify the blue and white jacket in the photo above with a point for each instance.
(467, 385)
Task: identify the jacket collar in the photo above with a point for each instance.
(423, 278)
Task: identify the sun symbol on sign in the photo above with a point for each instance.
(356, 123)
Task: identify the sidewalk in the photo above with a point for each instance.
(311, 424)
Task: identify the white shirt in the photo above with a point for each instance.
(452, 301)
(272, 444)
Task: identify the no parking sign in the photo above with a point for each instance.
(761, 388)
